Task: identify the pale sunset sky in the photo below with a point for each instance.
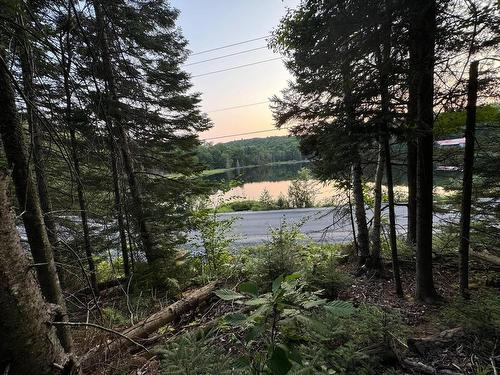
(209, 24)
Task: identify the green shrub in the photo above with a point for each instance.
(284, 253)
(113, 316)
(106, 271)
(156, 276)
(195, 354)
(324, 274)
(479, 316)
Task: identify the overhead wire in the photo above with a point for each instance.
(235, 67)
(239, 134)
(230, 45)
(224, 56)
(237, 106)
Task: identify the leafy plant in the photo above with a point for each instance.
(274, 319)
(284, 253)
(195, 353)
(213, 241)
(324, 275)
(302, 191)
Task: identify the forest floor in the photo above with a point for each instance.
(464, 354)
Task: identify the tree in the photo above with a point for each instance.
(465, 217)
(301, 191)
(329, 99)
(29, 342)
(422, 43)
(29, 203)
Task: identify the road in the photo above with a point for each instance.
(331, 225)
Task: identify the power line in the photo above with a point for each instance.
(237, 106)
(236, 67)
(236, 135)
(224, 56)
(229, 45)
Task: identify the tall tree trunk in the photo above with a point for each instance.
(360, 212)
(28, 344)
(66, 61)
(363, 237)
(411, 153)
(119, 209)
(411, 172)
(27, 69)
(385, 67)
(422, 42)
(392, 218)
(151, 250)
(29, 202)
(470, 132)
(377, 212)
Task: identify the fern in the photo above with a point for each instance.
(195, 354)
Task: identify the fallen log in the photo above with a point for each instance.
(149, 325)
(486, 257)
(423, 345)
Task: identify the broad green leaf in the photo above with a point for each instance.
(236, 319)
(250, 288)
(257, 302)
(340, 308)
(293, 276)
(254, 332)
(313, 303)
(279, 364)
(277, 283)
(228, 295)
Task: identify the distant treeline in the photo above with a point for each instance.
(255, 151)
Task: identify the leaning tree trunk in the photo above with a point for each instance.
(29, 202)
(28, 343)
(27, 69)
(360, 212)
(470, 130)
(112, 110)
(377, 212)
(422, 42)
(66, 60)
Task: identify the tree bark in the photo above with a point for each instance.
(360, 212)
(28, 343)
(392, 219)
(112, 110)
(411, 166)
(149, 325)
(384, 71)
(27, 70)
(470, 132)
(422, 43)
(411, 172)
(377, 212)
(66, 60)
(29, 202)
(119, 209)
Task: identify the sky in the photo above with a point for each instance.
(209, 24)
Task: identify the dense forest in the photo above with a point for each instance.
(247, 152)
(115, 259)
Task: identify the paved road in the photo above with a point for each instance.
(331, 225)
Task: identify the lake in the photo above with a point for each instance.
(276, 179)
